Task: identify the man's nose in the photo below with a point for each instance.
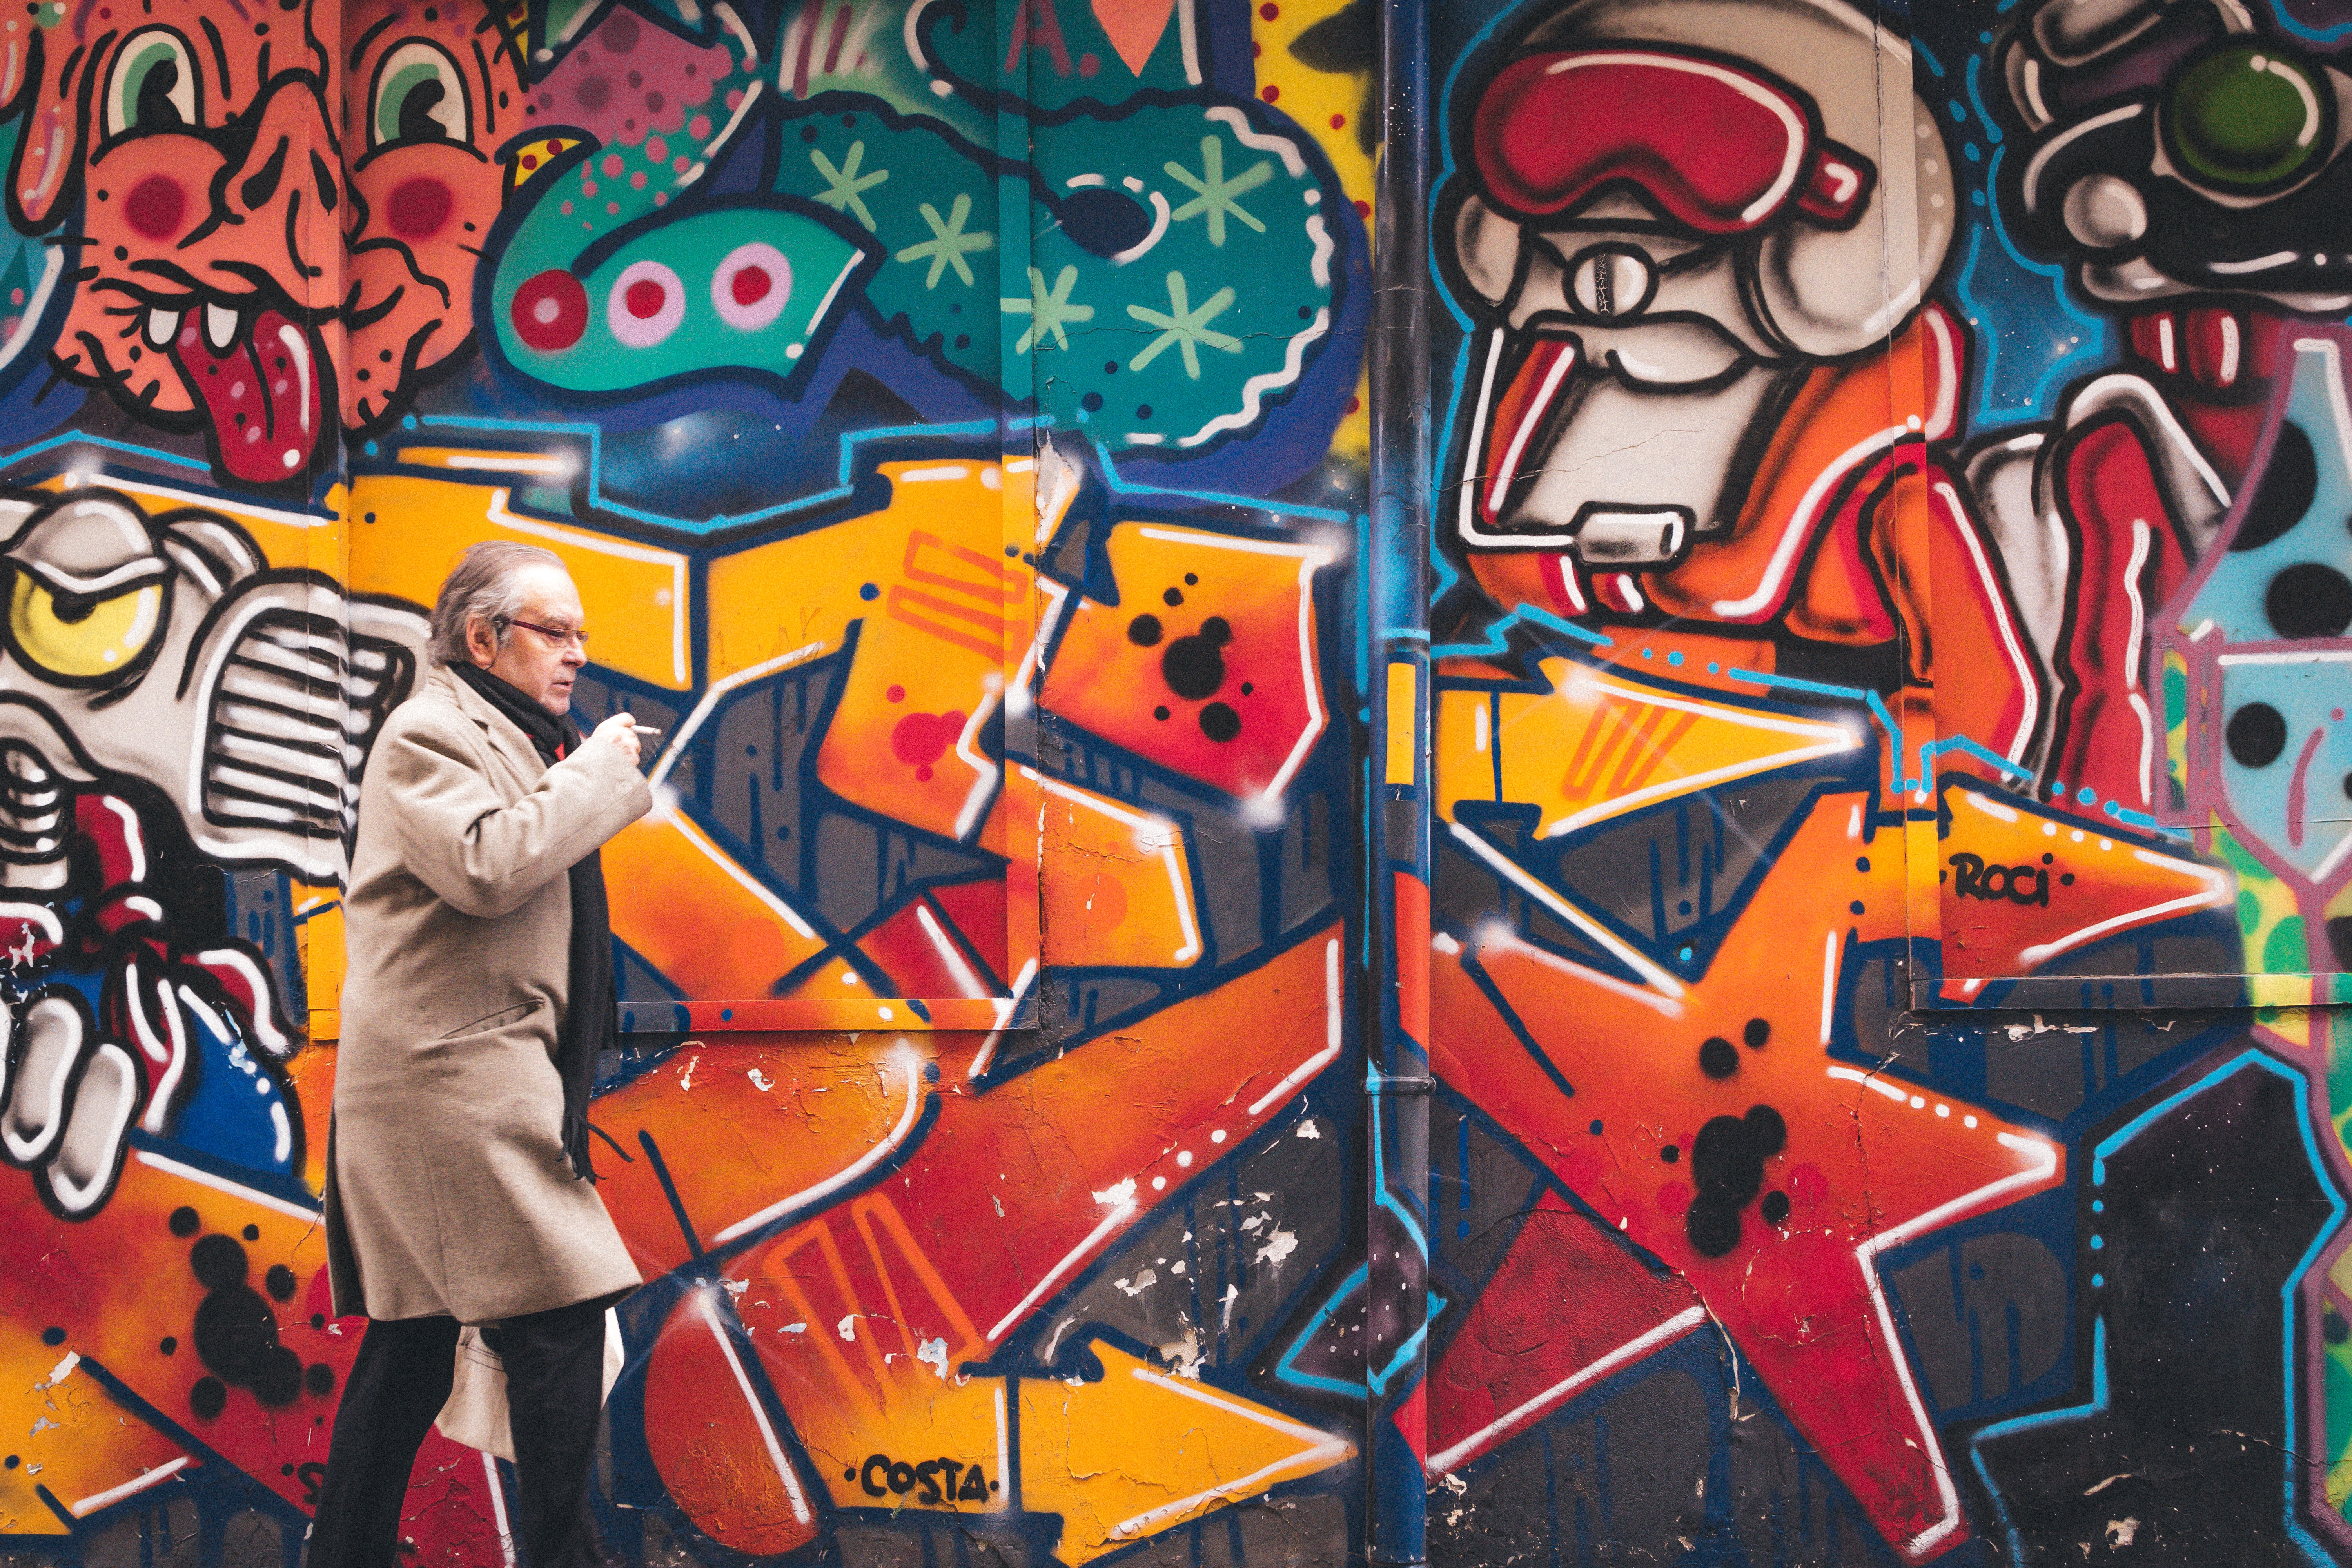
(575, 654)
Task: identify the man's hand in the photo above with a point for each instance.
(620, 729)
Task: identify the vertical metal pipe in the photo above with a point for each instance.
(1398, 826)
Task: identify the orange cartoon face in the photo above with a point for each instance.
(196, 144)
(432, 90)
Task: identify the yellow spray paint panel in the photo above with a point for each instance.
(1209, 660)
(1301, 62)
(411, 530)
(1598, 746)
(928, 587)
(135, 1321)
(683, 902)
(1143, 1451)
(896, 1424)
(1404, 690)
(318, 938)
(772, 601)
(1118, 882)
(72, 1439)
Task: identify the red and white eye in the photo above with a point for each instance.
(750, 286)
(549, 311)
(645, 305)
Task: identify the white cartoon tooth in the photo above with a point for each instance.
(220, 326)
(162, 326)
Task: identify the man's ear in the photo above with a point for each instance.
(1487, 246)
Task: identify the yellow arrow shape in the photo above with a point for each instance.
(1597, 745)
(1143, 1451)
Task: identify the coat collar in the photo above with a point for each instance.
(510, 742)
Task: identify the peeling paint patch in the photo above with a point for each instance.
(1185, 1355)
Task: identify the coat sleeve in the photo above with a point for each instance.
(481, 856)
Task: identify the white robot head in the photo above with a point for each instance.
(1667, 211)
(163, 648)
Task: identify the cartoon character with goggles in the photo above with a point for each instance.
(1697, 287)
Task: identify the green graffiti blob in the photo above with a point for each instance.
(748, 284)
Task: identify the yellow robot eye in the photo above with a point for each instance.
(82, 639)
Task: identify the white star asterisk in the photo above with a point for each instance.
(1185, 327)
(1216, 196)
(844, 186)
(1047, 312)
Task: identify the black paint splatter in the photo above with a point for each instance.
(2309, 600)
(2256, 734)
(1728, 1163)
(235, 1333)
(1192, 668)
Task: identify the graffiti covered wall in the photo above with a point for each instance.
(1886, 752)
(1743, 970)
(951, 414)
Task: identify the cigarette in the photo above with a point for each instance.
(644, 729)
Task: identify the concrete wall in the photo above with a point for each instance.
(1818, 813)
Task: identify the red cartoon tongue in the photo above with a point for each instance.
(260, 387)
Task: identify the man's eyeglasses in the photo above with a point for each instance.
(576, 638)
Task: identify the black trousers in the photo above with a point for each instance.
(555, 1389)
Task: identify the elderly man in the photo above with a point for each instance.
(478, 995)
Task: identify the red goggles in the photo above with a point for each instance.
(1722, 150)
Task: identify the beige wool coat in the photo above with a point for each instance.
(447, 1189)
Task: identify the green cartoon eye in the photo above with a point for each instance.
(2249, 117)
(153, 86)
(419, 97)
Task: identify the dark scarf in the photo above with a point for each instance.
(589, 1022)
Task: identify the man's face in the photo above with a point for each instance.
(533, 663)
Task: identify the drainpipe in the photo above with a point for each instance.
(1397, 826)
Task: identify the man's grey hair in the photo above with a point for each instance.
(485, 582)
